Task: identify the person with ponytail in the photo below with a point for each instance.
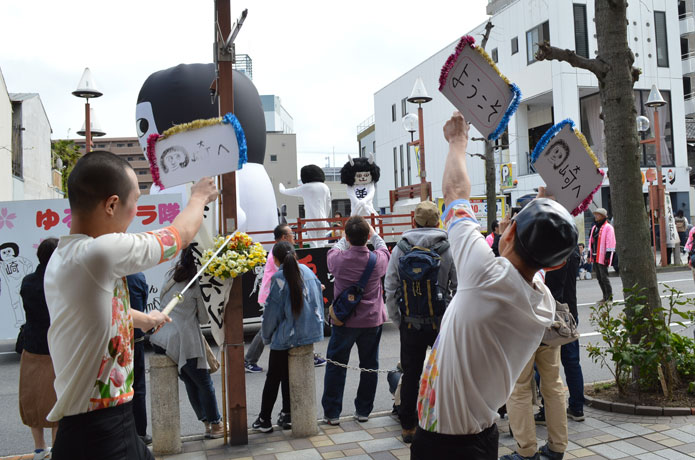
(293, 317)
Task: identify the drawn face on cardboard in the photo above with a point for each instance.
(7, 254)
(363, 178)
(558, 153)
(174, 158)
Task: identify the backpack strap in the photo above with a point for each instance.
(404, 246)
(441, 247)
(362, 283)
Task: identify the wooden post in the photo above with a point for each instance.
(300, 240)
(424, 195)
(660, 190)
(233, 313)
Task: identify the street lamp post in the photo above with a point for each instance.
(87, 88)
(419, 96)
(655, 101)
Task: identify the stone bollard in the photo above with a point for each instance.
(303, 391)
(164, 405)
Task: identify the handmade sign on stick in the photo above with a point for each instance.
(190, 151)
(472, 82)
(566, 163)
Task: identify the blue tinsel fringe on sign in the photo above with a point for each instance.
(508, 113)
(231, 119)
(549, 134)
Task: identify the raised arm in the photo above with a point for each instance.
(456, 183)
(296, 191)
(189, 220)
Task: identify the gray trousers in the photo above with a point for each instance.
(603, 281)
(253, 354)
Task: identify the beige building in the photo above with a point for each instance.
(127, 148)
(281, 164)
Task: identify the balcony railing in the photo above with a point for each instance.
(687, 24)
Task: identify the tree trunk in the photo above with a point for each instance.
(490, 184)
(622, 146)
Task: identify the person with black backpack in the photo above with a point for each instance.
(419, 283)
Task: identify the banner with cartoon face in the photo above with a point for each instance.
(24, 224)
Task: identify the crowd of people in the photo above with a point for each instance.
(480, 307)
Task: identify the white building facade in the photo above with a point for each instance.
(32, 165)
(5, 142)
(552, 91)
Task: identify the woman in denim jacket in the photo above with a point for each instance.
(293, 317)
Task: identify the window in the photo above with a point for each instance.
(539, 34)
(495, 58)
(363, 152)
(143, 186)
(101, 146)
(374, 147)
(393, 112)
(581, 37)
(404, 106)
(142, 172)
(130, 144)
(130, 158)
(120, 145)
(592, 128)
(515, 45)
(661, 40)
(395, 167)
(273, 158)
(402, 167)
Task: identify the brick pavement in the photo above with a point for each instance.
(603, 435)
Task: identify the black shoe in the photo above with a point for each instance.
(545, 452)
(577, 416)
(285, 421)
(147, 439)
(264, 426)
(540, 418)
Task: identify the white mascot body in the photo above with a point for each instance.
(317, 200)
(360, 175)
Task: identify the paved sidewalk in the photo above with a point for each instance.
(603, 435)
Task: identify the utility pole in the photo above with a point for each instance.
(235, 375)
(490, 182)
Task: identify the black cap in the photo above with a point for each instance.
(546, 232)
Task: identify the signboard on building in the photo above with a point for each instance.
(506, 178)
(24, 224)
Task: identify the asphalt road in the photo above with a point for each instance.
(15, 438)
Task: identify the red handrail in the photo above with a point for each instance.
(376, 221)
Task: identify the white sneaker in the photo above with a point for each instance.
(44, 454)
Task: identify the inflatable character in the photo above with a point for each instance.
(317, 199)
(360, 175)
(182, 94)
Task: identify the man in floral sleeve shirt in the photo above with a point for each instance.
(496, 319)
(91, 333)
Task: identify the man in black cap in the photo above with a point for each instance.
(496, 319)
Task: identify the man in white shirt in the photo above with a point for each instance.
(91, 332)
(495, 321)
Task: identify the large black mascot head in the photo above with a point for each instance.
(311, 173)
(182, 94)
(349, 172)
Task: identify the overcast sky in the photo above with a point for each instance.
(324, 59)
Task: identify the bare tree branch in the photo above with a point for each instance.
(486, 35)
(546, 52)
(481, 139)
(479, 155)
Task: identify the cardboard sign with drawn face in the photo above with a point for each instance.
(194, 152)
(568, 169)
(477, 90)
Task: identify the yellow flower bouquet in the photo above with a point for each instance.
(240, 256)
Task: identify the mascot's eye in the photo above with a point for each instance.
(142, 125)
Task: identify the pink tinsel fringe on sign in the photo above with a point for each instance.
(466, 40)
(584, 205)
(152, 158)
